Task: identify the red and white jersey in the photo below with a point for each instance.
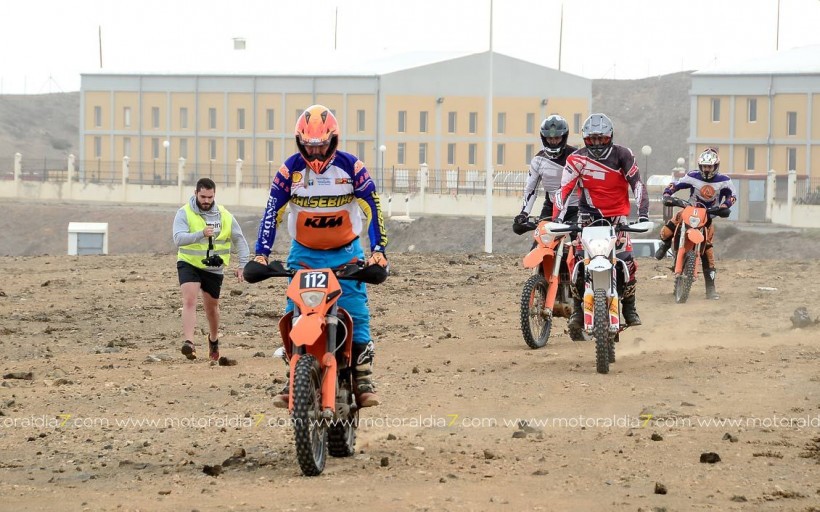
(604, 183)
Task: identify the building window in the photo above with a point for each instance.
(423, 121)
(451, 122)
(212, 149)
(183, 117)
(97, 147)
(451, 153)
(472, 154)
(240, 149)
(212, 118)
(422, 153)
(240, 118)
(751, 108)
(715, 110)
(97, 116)
(791, 159)
(400, 153)
(360, 120)
(473, 125)
(183, 148)
(530, 123)
(126, 116)
(402, 121)
(576, 123)
(360, 150)
(791, 123)
(126, 147)
(750, 159)
(269, 150)
(529, 153)
(154, 148)
(502, 122)
(269, 120)
(154, 117)
(499, 154)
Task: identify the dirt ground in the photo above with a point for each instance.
(113, 417)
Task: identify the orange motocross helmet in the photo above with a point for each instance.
(317, 127)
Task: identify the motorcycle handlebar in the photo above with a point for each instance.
(358, 270)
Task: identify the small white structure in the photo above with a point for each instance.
(87, 238)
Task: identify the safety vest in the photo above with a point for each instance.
(195, 253)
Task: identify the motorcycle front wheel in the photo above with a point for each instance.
(309, 429)
(536, 318)
(604, 348)
(683, 282)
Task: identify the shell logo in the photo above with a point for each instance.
(707, 191)
(297, 177)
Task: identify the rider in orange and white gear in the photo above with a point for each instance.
(326, 189)
(709, 188)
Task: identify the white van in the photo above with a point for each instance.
(646, 247)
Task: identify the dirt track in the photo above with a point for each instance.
(100, 336)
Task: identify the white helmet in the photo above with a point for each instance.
(709, 158)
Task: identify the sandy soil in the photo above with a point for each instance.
(113, 417)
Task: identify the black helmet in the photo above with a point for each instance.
(554, 126)
(599, 126)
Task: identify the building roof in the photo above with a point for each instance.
(247, 62)
(803, 60)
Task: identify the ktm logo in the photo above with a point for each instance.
(323, 221)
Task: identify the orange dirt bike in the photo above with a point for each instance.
(689, 242)
(602, 301)
(318, 342)
(547, 292)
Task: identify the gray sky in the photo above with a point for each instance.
(46, 44)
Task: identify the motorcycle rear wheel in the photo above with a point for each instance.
(600, 331)
(341, 433)
(309, 429)
(683, 282)
(536, 318)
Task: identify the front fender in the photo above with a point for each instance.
(536, 256)
(695, 235)
(307, 329)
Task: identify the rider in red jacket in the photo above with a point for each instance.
(604, 172)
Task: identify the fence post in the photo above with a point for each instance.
(771, 191)
(125, 171)
(791, 194)
(70, 168)
(18, 166)
(389, 206)
(181, 171)
(422, 178)
(238, 180)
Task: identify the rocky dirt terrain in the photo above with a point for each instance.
(100, 411)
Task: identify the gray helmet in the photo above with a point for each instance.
(598, 125)
(554, 126)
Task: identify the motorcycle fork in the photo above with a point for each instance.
(553, 264)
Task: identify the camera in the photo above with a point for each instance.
(214, 260)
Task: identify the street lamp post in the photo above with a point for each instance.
(646, 151)
(166, 144)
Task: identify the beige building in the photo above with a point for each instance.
(395, 116)
(762, 115)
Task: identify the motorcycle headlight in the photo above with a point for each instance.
(694, 221)
(546, 238)
(598, 248)
(313, 298)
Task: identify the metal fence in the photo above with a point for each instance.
(447, 181)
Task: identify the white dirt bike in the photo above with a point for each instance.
(602, 301)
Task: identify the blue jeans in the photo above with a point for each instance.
(354, 293)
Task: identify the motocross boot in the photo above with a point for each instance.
(282, 400)
(663, 249)
(709, 277)
(575, 322)
(364, 389)
(628, 302)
